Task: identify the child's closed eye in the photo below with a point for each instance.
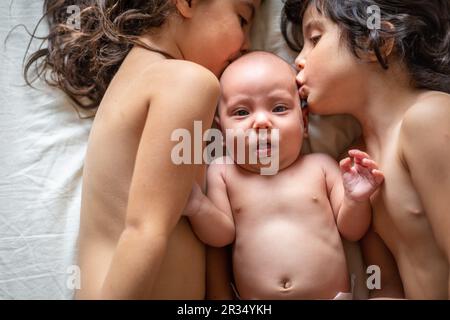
(243, 21)
(315, 40)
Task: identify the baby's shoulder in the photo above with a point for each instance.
(316, 164)
(319, 160)
(221, 166)
(221, 163)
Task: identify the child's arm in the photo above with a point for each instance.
(159, 188)
(425, 144)
(375, 252)
(211, 216)
(350, 194)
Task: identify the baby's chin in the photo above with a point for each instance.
(271, 166)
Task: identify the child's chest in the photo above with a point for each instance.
(398, 214)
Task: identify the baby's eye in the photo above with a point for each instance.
(315, 39)
(241, 113)
(280, 108)
(243, 21)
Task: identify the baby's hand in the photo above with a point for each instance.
(362, 177)
(194, 201)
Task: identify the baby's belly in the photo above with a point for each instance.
(182, 274)
(287, 260)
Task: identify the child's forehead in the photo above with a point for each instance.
(312, 17)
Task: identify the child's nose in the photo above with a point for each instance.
(262, 121)
(300, 62)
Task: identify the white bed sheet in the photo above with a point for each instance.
(42, 145)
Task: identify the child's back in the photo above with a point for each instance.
(113, 146)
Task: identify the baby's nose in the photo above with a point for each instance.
(262, 121)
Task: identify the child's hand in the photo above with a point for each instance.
(194, 201)
(361, 178)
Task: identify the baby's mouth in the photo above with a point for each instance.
(264, 148)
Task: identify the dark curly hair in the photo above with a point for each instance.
(83, 62)
(421, 33)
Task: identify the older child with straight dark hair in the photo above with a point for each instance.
(151, 67)
(395, 80)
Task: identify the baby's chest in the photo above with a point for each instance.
(287, 193)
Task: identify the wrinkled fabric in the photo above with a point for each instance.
(42, 145)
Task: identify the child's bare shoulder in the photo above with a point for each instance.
(426, 124)
(430, 113)
(183, 74)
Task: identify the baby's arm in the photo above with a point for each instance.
(350, 195)
(211, 216)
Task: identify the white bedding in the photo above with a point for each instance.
(42, 144)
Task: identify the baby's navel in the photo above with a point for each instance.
(315, 199)
(286, 283)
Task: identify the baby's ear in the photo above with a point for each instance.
(185, 8)
(305, 116)
(217, 121)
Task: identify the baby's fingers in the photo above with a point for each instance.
(345, 164)
(358, 154)
(370, 164)
(378, 176)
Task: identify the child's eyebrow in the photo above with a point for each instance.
(311, 24)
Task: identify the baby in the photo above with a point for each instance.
(286, 227)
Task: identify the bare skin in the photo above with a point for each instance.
(286, 227)
(134, 243)
(406, 131)
(116, 135)
(281, 228)
(401, 220)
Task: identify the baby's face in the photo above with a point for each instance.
(259, 91)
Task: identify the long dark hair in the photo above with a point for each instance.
(82, 62)
(421, 33)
